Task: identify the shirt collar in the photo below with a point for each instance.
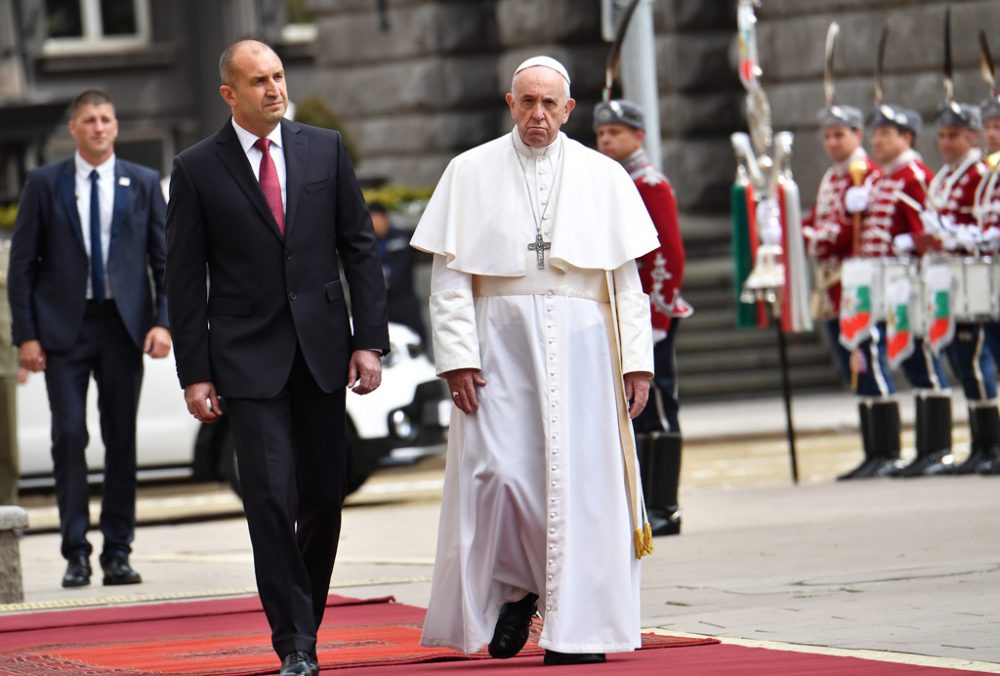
(247, 139)
(904, 158)
(973, 156)
(529, 151)
(858, 154)
(83, 167)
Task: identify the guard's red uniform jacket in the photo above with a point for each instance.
(662, 269)
(952, 191)
(829, 229)
(988, 200)
(898, 195)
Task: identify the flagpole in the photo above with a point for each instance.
(786, 393)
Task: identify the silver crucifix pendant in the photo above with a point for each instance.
(540, 246)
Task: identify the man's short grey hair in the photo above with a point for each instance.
(513, 81)
(226, 60)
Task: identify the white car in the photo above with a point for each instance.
(405, 419)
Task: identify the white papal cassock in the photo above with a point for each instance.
(534, 497)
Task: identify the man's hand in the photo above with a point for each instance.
(202, 401)
(22, 375)
(32, 356)
(462, 384)
(364, 374)
(157, 343)
(636, 391)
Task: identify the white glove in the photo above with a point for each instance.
(903, 244)
(769, 221)
(968, 237)
(991, 238)
(931, 221)
(856, 199)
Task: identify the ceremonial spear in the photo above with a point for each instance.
(779, 276)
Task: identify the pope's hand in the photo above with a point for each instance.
(856, 199)
(462, 384)
(636, 391)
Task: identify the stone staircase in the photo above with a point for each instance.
(714, 358)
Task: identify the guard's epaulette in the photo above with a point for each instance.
(653, 177)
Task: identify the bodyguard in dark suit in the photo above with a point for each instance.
(88, 242)
(266, 206)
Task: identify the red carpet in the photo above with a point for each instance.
(231, 636)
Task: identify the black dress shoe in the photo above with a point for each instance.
(77, 572)
(553, 658)
(117, 571)
(511, 632)
(664, 520)
(298, 663)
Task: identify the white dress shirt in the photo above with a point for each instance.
(106, 200)
(247, 140)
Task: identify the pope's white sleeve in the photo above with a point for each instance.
(453, 319)
(634, 321)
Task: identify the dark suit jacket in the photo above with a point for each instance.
(49, 266)
(268, 295)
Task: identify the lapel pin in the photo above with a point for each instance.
(124, 181)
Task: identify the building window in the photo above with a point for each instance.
(95, 25)
(300, 25)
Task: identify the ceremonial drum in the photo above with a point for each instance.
(975, 287)
(877, 276)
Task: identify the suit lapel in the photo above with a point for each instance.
(67, 196)
(120, 207)
(235, 160)
(296, 155)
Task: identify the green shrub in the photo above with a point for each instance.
(8, 214)
(399, 198)
(314, 112)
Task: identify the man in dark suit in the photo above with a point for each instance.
(88, 240)
(265, 206)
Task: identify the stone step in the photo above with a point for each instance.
(754, 383)
(741, 360)
(730, 339)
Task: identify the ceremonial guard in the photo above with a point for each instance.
(956, 230)
(831, 233)
(620, 128)
(891, 204)
(985, 456)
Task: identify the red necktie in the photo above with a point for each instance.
(268, 177)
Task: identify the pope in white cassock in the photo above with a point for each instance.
(541, 329)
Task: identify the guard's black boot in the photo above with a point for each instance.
(866, 466)
(984, 428)
(660, 470)
(885, 433)
(933, 427)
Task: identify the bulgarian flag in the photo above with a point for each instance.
(856, 306)
(743, 209)
(938, 292)
(900, 340)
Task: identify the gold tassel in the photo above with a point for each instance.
(643, 541)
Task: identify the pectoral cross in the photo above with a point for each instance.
(540, 246)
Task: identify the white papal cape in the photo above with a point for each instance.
(534, 497)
